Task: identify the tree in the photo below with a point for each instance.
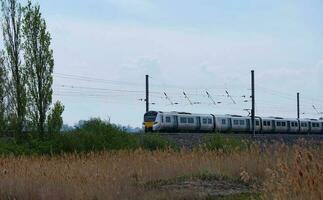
(3, 96)
(54, 119)
(39, 63)
(12, 25)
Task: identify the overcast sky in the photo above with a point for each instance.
(104, 48)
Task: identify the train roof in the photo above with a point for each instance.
(239, 116)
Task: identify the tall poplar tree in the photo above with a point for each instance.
(38, 57)
(12, 30)
(3, 96)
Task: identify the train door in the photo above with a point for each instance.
(198, 123)
(229, 124)
(309, 127)
(273, 124)
(248, 125)
(288, 126)
(175, 122)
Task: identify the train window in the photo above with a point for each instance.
(168, 120)
(279, 123)
(268, 123)
(183, 120)
(223, 121)
(283, 123)
(296, 124)
(209, 121)
(257, 123)
(265, 123)
(235, 122)
(241, 122)
(191, 120)
(150, 116)
(162, 119)
(204, 121)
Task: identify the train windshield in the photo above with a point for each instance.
(150, 116)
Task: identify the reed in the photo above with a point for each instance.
(277, 171)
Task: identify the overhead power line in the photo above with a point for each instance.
(92, 79)
(229, 96)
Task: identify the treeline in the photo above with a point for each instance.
(26, 74)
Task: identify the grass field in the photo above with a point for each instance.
(276, 171)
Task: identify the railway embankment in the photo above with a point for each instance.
(191, 140)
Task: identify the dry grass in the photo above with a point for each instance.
(278, 171)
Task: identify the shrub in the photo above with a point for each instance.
(93, 136)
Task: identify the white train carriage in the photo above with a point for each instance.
(195, 122)
(292, 125)
(178, 121)
(305, 126)
(222, 123)
(280, 125)
(207, 123)
(315, 126)
(268, 125)
(240, 124)
(182, 121)
(169, 121)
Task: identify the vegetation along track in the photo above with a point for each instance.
(191, 140)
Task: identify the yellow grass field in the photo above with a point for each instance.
(273, 172)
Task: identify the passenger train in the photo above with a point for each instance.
(157, 121)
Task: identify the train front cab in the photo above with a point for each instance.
(151, 121)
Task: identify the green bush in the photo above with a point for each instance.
(94, 135)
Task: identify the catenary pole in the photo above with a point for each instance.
(298, 110)
(147, 93)
(253, 103)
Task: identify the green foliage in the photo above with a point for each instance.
(94, 135)
(155, 142)
(54, 118)
(224, 143)
(12, 36)
(39, 63)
